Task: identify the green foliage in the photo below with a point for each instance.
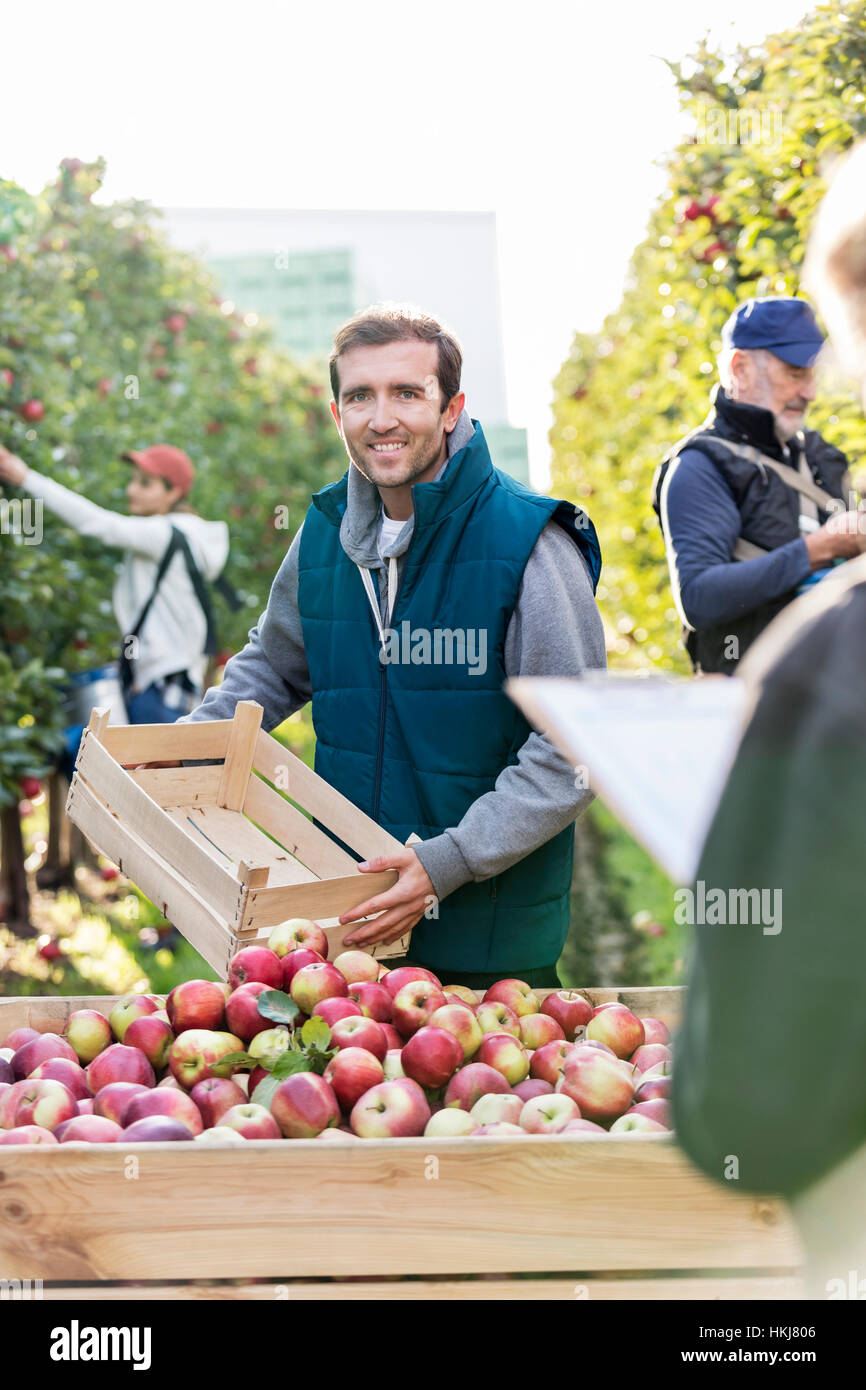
(31, 726)
(125, 342)
(732, 223)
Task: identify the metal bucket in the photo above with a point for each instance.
(99, 687)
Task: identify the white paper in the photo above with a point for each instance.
(656, 749)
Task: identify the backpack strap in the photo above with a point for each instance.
(201, 590)
(790, 477)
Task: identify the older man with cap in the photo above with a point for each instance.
(160, 599)
(752, 506)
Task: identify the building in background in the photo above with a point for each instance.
(307, 272)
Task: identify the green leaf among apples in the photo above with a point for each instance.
(277, 1006)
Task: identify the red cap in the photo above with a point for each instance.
(164, 461)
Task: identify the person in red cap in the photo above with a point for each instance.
(160, 599)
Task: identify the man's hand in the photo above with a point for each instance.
(401, 906)
(842, 537)
(12, 470)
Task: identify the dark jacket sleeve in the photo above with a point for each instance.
(771, 1058)
(701, 525)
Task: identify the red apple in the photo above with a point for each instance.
(538, 1029)
(659, 1070)
(531, 1087)
(393, 1109)
(61, 1069)
(196, 1004)
(583, 1126)
(505, 1054)
(372, 999)
(548, 1114)
(44, 1103)
(256, 963)
(153, 1037)
(569, 1009)
(517, 994)
(414, 1005)
(450, 1124)
(215, 1096)
(250, 1120)
(618, 1027)
(360, 1032)
(655, 1031)
(156, 1129)
(649, 1055)
(404, 975)
(461, 1021)
(358, 966)
(464, 994)
(176, 1105)
(636, 1124)
(602, 1047)
(19, 1036)
(114, 1100)
(298, 933)
(242, 1011)
(653, 1088)
(85, 1106)
(497, 1109)
(393, 1064)
(28, 1134)
(303, 1105)
(599, 1084)
(119, 1063)
(659, 1110)
(6, 1074)
(198, 1053)
(498, 1129)
(270, 1044)
(39, 1049)
(392, 1037)
(125, 1010)
(332, 1010)
(90, 1129)
(88, 1033)
(315, 983)
(431, 1056)
(353, 1071)
(495, 1017)
(472, 1082)
(548, 1063)
(32, 411)
(295, 961)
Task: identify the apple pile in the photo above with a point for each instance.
(298, 1047)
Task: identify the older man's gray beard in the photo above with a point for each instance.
(786, 429)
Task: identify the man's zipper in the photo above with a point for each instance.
(380, 752)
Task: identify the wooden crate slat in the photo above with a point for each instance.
(145, 743)
(179, 786)
(202, 927)
(238, 765)
(215, 884)
(534, 1204)
(329, 898)
(737, 1286)
(298, 835)
(232, 838)
(336, 811)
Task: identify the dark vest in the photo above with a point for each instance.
(414, 743)
(769, 509)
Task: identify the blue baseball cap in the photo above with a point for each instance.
(784, 326)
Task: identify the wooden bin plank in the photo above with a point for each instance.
(230, 837)
(179, 786)
(145, 743)
(238, 765)
(538, 1204)
(202, 927)
(304, 840)
(154, 828)
(329, 898)
(329, 806)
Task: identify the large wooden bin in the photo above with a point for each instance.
(538, 1217)
(222, 854)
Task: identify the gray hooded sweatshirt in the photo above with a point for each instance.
(555, 630)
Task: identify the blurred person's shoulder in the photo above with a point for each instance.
(816, 648)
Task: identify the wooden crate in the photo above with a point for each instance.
(220, 852)
(540, 1217)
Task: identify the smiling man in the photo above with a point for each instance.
(752, 506)
(420, 561)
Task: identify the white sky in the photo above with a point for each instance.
(551, 114)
